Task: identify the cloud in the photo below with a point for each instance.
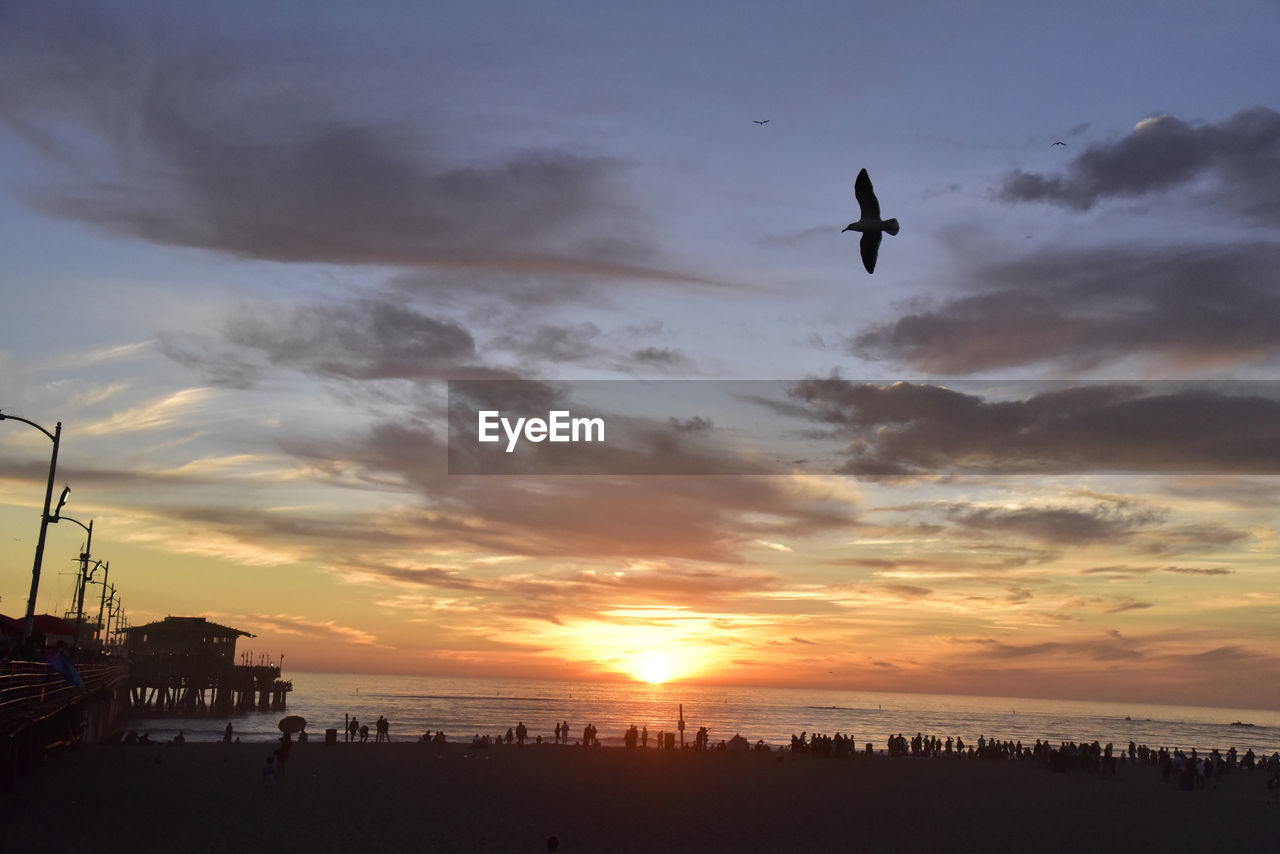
(639, 516)
(910, 428)
(1185, 308)
(1192, 570)
(1163, 153)
(1104, 522)
(288, 624)
(1111, 648)
(152, 415)
(1122, 571)
(1128, 605)
(359, 339)
(178, 137)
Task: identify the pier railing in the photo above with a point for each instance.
(31, 691)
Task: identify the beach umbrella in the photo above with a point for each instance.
(293, 723)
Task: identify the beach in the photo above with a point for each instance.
(458, 798)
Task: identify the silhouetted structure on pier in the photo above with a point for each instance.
(186, 665)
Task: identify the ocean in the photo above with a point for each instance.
(463, 708)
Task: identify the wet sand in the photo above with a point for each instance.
(455, 798)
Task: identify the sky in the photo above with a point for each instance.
(1035, 454)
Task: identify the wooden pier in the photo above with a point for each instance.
(186, 666)
(186, 685)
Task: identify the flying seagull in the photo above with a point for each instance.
(869, 221)
(1059, 142)
(759, 122)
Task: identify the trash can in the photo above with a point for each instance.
(330, 737)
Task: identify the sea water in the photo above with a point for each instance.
(464, 708)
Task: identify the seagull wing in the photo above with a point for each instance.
(867, 202)
(870, 246)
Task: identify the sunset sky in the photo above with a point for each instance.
(246, 245)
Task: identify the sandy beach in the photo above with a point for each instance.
(456, 798)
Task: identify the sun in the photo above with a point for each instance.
(654, 668)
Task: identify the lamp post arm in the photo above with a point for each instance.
(103, 602)
(56, 437)
(52, 436)
(84, 574)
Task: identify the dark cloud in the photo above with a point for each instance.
(191, 139)
(1193, 570)
(360, 339)
(692, 425)
(1164, 153)
(1190, 307)
(567, 342)
(1105, 522)
(217, 364)
(908, 428)
(1128, 605)
(661, 357)
(1203, 537)
(1130, 571)
(698, 518)
(906, 591)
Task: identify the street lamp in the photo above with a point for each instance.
(106, 573)
(55, 437)
(84, 563)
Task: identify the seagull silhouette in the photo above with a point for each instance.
(869, 222)
(759, 122)
(1059, 142)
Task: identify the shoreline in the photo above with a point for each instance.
(452, 797)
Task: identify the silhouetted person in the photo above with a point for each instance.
(269, 777)
(226, 734)
(282, 752)
(553, 843)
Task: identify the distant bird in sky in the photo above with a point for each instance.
(1059, 142)
(869, 222)
(761, 121)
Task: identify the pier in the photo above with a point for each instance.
(189, 685)
(186, 666)
(40, 708)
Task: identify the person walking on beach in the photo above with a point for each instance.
(384, 730)
(282, 752)
(557, 733)
(522, 733)
(269, 778)
(353, 729)
(564, 732)
(226, 734)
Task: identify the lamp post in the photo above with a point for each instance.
(106, 573)
(111, 602)
(55, 437)
(85, 580)
(84, 569)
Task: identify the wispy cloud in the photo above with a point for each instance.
(161, 412)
